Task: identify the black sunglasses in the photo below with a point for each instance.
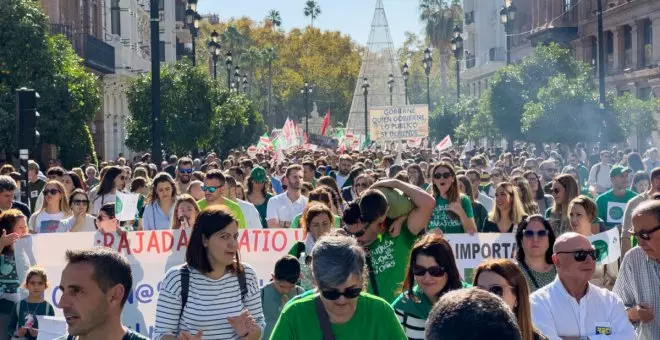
(495, 289)
(80, 202)
(439, 175)
(435, 271)
(581, 255)
(349, 293)
(644, 234)
(51, 192)
(532, 233)
(359, 233)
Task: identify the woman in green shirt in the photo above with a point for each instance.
(340, 309)
(453, 210)
(534, 241)
(432, 272)
(257, 194)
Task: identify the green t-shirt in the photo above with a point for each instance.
(130, 335)
(19, 316)
(373, 319)
(442, 220)
(234, 207)
(296, 221)
(271, 303)
(9, 282)
(389, 258)
(262, 209)
(611, 207)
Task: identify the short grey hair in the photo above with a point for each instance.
(335, 258)
(7, 183)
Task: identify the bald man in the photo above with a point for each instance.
(639, 276)
(571, 308)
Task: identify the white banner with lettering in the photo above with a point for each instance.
(152, 253)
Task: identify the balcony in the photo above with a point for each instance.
(469, 18)
(97, 55)
(562, 30)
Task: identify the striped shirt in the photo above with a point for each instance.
(209, 304)
(639, 282)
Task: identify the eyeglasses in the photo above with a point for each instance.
(80, 202)
(644, 234)
(435, 271)
(210, 189)
(495, 289)
(51, 192)
(186, 171)
(532, 233)
(349, 293)
(359, 233)
(581, 255)
(439, 175)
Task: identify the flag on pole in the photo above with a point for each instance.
(326, 123)
(126, 206)
(414, 143)
(444, 144)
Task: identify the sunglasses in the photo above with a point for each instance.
(497, 175)
(186, 171)
(210, 189)
(581, 255)
(644, 234)
(435, 271)
(51, 192)
(439, 175)
(497, 290)
(80, 202)
(349, 293)
(532, 233)
(359, 233)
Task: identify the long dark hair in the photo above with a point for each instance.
(538, 191)
(438, 248)
(520, 252)
(162, 177)
(467, 185)
(635, 162)
(75, 179)
(452, 194)
(108, 180)
(421, 179)
(209, 221)
(250, 187)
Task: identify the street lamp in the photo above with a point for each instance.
(228, 62)
(365, 90)
(237, 77)
(405, 80)
(306, 92)
(192, 20)
(428, 62)
(390, 85)
(245, 83)
(507, 17)
(214, 50)
(457, 47)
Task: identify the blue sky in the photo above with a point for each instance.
(352, 17)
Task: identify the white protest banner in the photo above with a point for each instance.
(398, 122)
(444, 144)
(608, 245)
(471, 250)
(50, 327)
(126, 206)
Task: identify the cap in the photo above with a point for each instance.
(619, 170)
(258, 174)
(32, 165)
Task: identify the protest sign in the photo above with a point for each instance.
(398, 122)
(126, 206)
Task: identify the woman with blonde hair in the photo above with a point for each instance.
(564, 189)
(508, 211)
(54, 209)
(185, 212)
(526, 196)
(503, 278)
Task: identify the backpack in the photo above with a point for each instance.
(185, 285)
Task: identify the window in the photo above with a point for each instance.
(648, 42)
(180, 10)
(161, 48)
(161, 5)
(115, 17)
(594, 53)
(627, 46)
(644, 93)
(609, 53)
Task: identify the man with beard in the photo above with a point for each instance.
(345, 165)
(184, 173)
(285, 206)
(95, 285)
(214, 182)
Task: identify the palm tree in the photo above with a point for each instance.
(252, 58)
(269, 55)
(274, 18)
(312, 10)
(440, 17)
(233, 39)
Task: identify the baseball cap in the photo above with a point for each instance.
(258, 174)
(619, 170)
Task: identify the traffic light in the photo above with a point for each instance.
(26, 120)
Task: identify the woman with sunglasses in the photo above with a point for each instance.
(54, 209)
(534, 242)
(508, 211)
(185, 212)
(340, 309)
(453, 211)
(361, 183)
(81, 219)
(159, 211)
(564, 189)
(542, 200)
(503, 278)
(431, 273)
(112, 180)
(583, 214)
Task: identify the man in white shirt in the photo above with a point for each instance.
(284, 207)
(571, 307)
(345, 165)
(599, 176)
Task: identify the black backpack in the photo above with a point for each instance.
(185, 285)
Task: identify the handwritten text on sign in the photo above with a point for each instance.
(398, 122)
